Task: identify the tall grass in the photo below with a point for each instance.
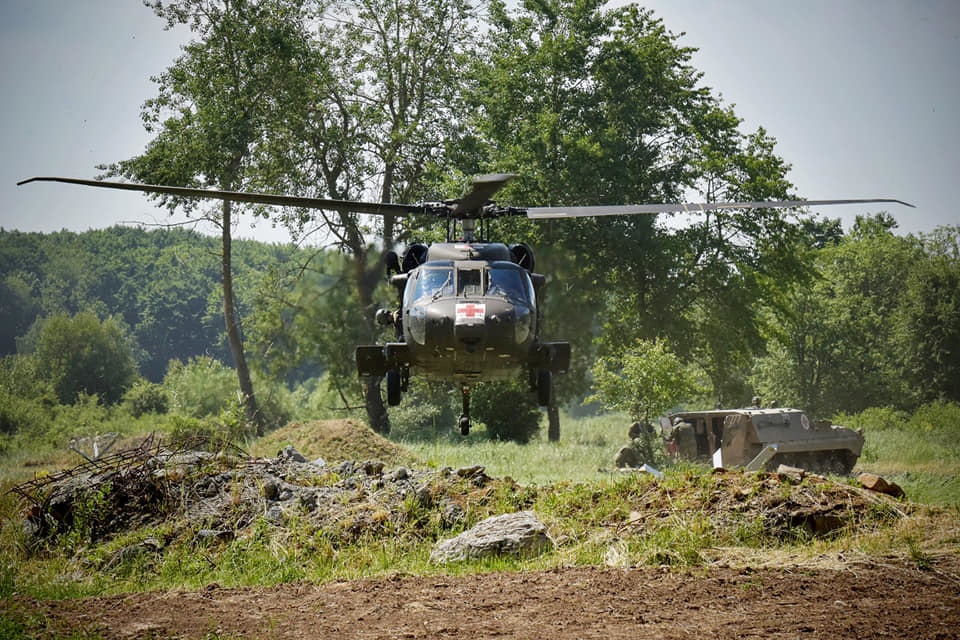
(920, 452)
(585, 451)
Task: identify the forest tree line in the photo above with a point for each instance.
(875, 321)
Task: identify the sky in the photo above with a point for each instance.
(862, 96)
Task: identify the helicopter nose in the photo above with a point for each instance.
(471, 336)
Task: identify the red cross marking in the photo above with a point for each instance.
(470, 310)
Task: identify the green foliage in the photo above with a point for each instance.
(206, 388)
(644, 381)
(508, 409)
(84, 355)
(426, 411)
(199, 388)
(26, 402)
(919, 451)
(873, 328)
(145, 397)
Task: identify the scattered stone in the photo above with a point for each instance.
(289, 453)
(792, 473)
(873, 482)
(399, 474)
(373, 467)
(270, 490)
(521, 534)
(214, 534)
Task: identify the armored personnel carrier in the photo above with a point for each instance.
(761, 438)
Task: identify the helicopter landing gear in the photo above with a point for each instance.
(544, 387)
(398, 381)
(393, 387)
(465, 416)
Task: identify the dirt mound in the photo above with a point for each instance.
(334, 441)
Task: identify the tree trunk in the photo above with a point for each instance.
(250, 406)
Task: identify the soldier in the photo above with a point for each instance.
(627, 457)
(756, 402)
(685, 439)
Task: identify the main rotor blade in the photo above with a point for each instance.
(344, 206)
(689, 207)
(481, 191)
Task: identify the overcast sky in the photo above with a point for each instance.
(863, 97)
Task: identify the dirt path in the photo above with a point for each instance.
(879, 599)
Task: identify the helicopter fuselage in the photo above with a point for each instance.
(468, 312)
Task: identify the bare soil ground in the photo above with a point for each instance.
(869, 599)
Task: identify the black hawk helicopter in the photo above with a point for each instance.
(468, 307)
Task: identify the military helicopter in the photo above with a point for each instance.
(467, 308)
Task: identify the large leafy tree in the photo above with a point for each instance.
(216, 110)
(927, 321)
(601, 106)
(377, 114)
(834, 347)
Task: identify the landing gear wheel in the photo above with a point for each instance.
(393, 387)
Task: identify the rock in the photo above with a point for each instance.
(289, 453)
(520, 534)
(793, 473)
(373, 467)
(873, 482)
(401, 473)
(270, 490)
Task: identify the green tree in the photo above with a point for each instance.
(217, 108)
(644, 381)
(177, 308)
(377, 112)
(834, 344)
(927, 320)
(602, 106)
(81, 354)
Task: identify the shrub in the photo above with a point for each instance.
(145, 397)
(508, 409)
(201, 387)
(84, 355)
(426, 411)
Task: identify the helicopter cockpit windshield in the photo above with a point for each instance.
(507, 280)
(443, 280)
(433, 282)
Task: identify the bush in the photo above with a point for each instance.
(84, 355)
(508, 409)
(200, 388)
(875, 419)
(427, 410)
(145, 397)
